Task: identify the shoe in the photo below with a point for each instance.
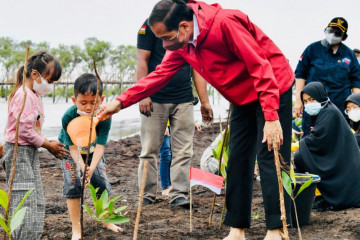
(165, 192)
(180, 202)
(145, 202)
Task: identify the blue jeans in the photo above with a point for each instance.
(165, 163)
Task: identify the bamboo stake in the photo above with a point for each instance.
(220, 160)
(285, 233)
(223, 210)
(88, 153)
(12, 174)
(191, 227)
(142, 190)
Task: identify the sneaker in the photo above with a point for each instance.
(165, 192)
(180, 202)
(145, 202)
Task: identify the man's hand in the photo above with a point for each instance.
(107, 110)
(298, 108)
(197, 127)
(273, 132)
(89, 172)
(207, 113)
(146, 106)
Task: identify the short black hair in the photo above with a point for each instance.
(86, 83)
(171, 13)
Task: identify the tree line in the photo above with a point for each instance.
(114, 63)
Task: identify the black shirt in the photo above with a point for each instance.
(179, 89)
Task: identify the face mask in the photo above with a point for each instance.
(82, 113)
(358, 59)
(332, 39)
(175, 44)
(354, 115)
(313, 108)
(43, 88)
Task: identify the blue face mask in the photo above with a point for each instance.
(313, 108)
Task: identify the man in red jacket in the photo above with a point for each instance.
(250, 71)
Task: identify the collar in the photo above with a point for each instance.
(329, 49)
(196, 31)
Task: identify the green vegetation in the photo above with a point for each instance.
(19, 214)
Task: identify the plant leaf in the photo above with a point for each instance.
(117, 220)
(93, 193)
(88, 210)
(105, 198)
(23, 200)
(101, 215)
(17, 219)
(292, 176)
(99, 207)
(214, 154)
(3, 224)
(286, 182)
(120, 209)
(110, 207)
(4, 200)
(304, 186)
(115, 199)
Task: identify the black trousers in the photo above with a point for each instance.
(246, 134)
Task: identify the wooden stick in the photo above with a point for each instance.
(12, 174)
(88, 153)
(191, 227)
(220, 160)
(223, 210)
(281, 190)
(142, 190)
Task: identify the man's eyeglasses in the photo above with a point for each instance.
(336, 32)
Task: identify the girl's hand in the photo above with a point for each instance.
(1, 150)
(56, 148)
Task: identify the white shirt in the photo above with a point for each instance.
(196, 31)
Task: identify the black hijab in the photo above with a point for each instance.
(354, 98)
(331, 151)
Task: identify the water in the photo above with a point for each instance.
(125, 123)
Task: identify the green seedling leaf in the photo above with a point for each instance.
(102, 214)
(292, 176)
(88, 210)
(3, 224)
(99, 207)
(304, 186)
(120, 209)
(110, 207)
(115, 199)
(286, 182)
(17, 219)
(4, 200)
(92, 192)
(105, 198)
(23, 200)
(117, 220)
(215, 154)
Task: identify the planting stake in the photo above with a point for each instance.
(12, 174)
(190, 211)
(281, 190)
(221, 154)
(88, 154)
(142, 189)
(223, 210)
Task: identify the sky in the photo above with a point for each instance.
(292, 25)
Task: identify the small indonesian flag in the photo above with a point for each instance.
(301, 58)
(142, 30)
(206, 179)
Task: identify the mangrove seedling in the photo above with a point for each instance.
(289, 183)
(104, 209)
(13, 222)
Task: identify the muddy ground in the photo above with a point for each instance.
(160, 221)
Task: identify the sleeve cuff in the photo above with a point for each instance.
(271, 115)
(122, 101)
(39, 141)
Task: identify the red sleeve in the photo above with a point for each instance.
(243, 44)
(156, 80)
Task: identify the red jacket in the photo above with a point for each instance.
(232, 54)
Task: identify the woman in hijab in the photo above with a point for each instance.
(330, 150)
(352, 109)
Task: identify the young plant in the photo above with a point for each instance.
(104, 209)
(14, 222)
(289, 183)
(217, 151)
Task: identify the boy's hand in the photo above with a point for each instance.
(89, 172)
(56, 148)
(1, 150)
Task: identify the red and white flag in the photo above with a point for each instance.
(206, 179)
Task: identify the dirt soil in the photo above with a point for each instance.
(160, 221)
